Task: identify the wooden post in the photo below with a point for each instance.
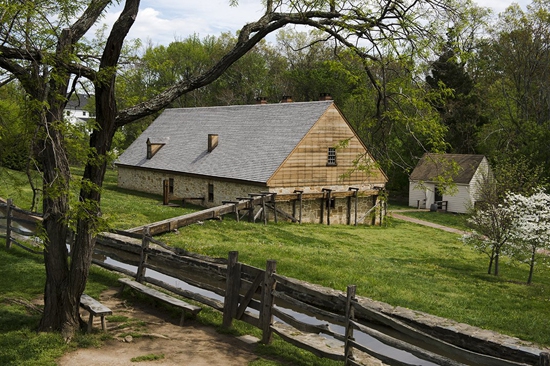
(145, 240)
(165, 192)
(250, 210)
(348, 213)
(350, 315)
(273, 196)
(544, 359)
(232, 287)
(323, 209)
(355, 190)
(236, 210)
(266, 310)
(8, 223)
(264, 213)
(300, 200)
(356, 202)
(327, 203)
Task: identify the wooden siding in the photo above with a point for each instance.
(482, 172)
(460, 201)
(307, 166)
(416, 194)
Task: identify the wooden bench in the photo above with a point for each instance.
(95, 308)
(192, 309)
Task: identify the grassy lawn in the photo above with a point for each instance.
(403, 264)
(455, 220)
(406, 265)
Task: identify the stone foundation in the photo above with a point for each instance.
(194, 187)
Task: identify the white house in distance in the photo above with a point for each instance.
(470, 171)
(76, 111)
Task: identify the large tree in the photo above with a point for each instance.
(516, 85)
(41, 45)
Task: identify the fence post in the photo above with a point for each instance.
(250, 210)
(266, 310)
(264, 212)
(273, 196)
(232, 289)
(544, 359)
(145, 240)
(8, 223)
(350, 315)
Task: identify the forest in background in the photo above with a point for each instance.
(482, 87)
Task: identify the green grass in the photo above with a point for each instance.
(455, 220)
(23, 278)
(404, 265)
(148, 357)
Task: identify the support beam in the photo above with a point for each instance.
(328, 192)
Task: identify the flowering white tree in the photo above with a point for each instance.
(530, 234)
(492, 226)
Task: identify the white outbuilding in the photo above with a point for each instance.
(467, 171)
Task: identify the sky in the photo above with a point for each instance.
(163, 21)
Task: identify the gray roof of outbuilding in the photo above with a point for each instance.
(254, 140)
(432, 165)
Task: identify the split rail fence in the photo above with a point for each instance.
(275, 304)
(18, 227)
(326, 322)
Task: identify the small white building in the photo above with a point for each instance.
(465, 170)
(76, 111)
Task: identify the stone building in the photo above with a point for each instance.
(212, 155)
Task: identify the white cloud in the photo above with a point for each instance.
(163, 21)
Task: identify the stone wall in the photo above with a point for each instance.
(185, 186)
(194, 187)
(311, 211)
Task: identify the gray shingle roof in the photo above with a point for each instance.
(254, 140)
(432, 165)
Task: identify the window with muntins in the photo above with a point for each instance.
(331, 159)
(171, 185)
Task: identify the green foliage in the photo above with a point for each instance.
(15, 130)
(515, 84)
(148, 357)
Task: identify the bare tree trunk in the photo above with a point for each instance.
(497, 255)
(532, 266)
(59, 310)
(62, 290)
(492, 257)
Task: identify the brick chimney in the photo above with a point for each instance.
(325, 96)
(286, 99)
(212, 141)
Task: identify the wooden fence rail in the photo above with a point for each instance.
(20, 226)
(255, 296)
(272, 303)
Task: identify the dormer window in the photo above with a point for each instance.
(331, 158)
(153, 148)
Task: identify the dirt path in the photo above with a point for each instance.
(192, 344)
(426, 223)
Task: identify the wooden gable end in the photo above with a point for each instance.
(308, 164)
